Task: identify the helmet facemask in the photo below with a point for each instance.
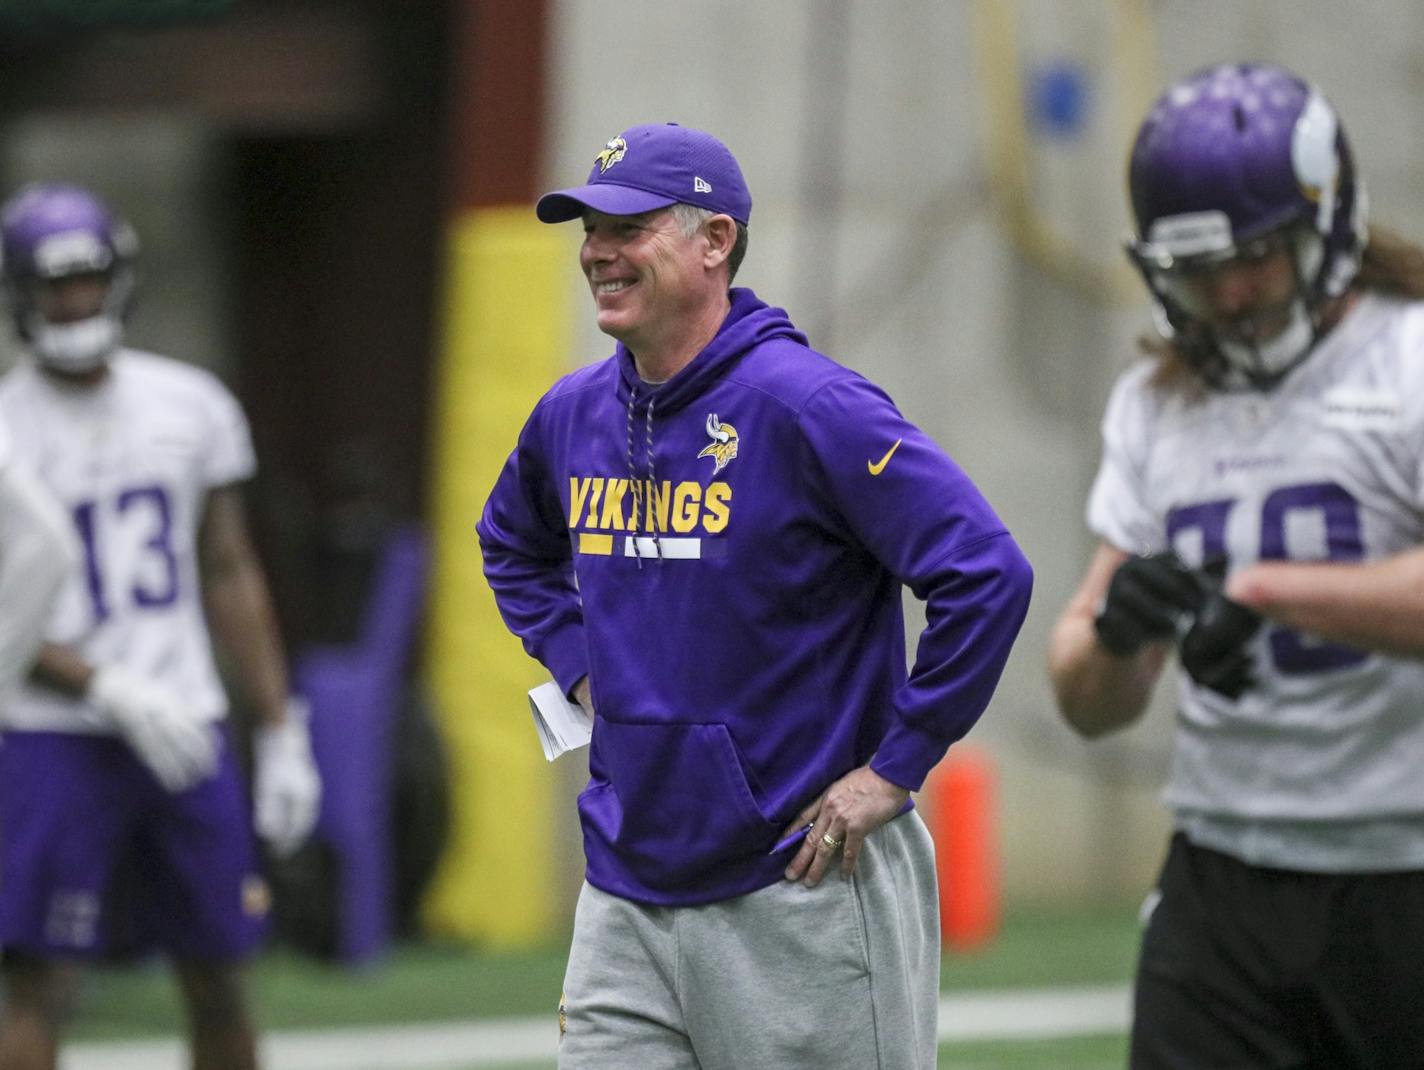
(1250, 348)
(77, 347)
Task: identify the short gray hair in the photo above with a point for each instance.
(690, 219)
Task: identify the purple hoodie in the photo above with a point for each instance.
(722, 555)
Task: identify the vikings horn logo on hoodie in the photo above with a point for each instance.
(724, 443)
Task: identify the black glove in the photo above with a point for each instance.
(1214, 649)
(1145, 598)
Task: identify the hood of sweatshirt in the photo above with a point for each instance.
(749, 323)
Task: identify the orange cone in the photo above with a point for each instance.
(963, 823)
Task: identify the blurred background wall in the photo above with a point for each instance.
(335, 201)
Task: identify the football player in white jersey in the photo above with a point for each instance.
(116, 751)
(1260, 504)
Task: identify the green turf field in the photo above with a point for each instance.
(422, 983)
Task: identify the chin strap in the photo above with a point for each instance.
(1263, 366)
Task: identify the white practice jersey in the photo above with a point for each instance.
(131, 460)
(1318, 766)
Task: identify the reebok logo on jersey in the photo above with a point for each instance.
(879, 466)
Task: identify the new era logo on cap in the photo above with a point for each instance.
(657, 165)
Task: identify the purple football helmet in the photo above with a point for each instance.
(1233, 163)
(51, 232)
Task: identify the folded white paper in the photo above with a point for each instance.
(562, 725)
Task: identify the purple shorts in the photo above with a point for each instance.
(74, 809)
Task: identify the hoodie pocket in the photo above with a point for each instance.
(682, 801)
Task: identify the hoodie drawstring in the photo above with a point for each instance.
(638, 483)
(653, 503)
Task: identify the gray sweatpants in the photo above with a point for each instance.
(844, 976)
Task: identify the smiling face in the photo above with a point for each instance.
(653, 286)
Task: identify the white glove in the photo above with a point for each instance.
(167, 735)
(287, 786)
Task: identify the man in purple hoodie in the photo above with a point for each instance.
(703, 538)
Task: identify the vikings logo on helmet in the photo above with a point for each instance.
(724, 443)
(611, 154)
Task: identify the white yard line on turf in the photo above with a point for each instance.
(1009, 1014)
(1035, 1013)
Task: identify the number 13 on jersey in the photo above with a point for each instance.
(128, 535)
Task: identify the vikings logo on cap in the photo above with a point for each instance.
(611, 154)
(724, 443)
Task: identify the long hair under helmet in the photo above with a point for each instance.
(51, 232)
(1233, 162)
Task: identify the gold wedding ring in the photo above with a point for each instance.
(830, 841)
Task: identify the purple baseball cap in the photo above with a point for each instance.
(653, 166)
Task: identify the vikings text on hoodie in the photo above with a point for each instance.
(722, 555)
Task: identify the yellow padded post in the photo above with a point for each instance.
(506, 340)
